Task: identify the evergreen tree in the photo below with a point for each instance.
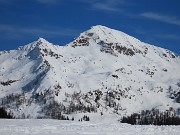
(4, 114)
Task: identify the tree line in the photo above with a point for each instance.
(153, 117)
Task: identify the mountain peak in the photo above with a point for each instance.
(99, 27)
(42, 40)
(102, 68)
(111, 35)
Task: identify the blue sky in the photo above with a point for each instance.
(153, 21)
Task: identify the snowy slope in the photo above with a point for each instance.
(103, 71)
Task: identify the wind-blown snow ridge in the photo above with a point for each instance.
(103, 72)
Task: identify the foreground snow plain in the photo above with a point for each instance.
(56, 127)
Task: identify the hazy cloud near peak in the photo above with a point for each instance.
(163, 18)
(104, 5)
(168, 36)
(108, 5)
(12, 31)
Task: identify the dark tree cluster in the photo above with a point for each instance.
(85, 118)
(50, 107)
(54, 110)
(8, 82)
(4, 114)
(80, 108)
(112, 96)
(173, 94)
(81, 103)
(153, 117)
(115, 76)
(47, 63)
(14, 99)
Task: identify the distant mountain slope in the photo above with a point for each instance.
(104, 72)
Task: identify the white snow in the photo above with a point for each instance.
(55, 127)
(40, 65)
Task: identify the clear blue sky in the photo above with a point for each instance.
(153, 21)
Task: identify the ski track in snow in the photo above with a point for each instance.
(55, 127)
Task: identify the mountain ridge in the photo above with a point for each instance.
(103, 71)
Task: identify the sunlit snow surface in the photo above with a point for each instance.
(148, 79)
(55, 127)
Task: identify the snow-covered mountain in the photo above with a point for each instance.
(103, 72)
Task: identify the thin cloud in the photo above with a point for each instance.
(103, 5)
(108, 5)
(168, 36)
(163, 18)
(11, 31)
(7, 2)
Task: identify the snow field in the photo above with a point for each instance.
(55, 127)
